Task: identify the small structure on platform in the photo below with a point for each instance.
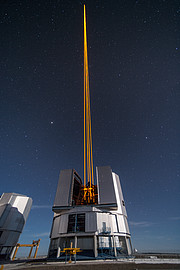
(99, 229)
(14, 211)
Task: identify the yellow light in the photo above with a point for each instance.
(88, 154)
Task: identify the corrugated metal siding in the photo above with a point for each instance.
(121, 224)
(106, 192)
(90, 222)
(55, 230)
(63, 223)
(113, 223)
(64, 188)
(85, 242)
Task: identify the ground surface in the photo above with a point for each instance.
(140, 262)
(125, 264)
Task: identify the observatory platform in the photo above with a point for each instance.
(99, 229)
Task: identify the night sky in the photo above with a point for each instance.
(134, 67)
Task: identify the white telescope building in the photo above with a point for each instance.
(99, 230)
(14, 211)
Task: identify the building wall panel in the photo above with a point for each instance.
(106, 192)
(14, 220)
(63, 223)
(5, 210)
(104, 222)
(27, 209)
(116, 187)
(121, 224)
(9, 238)
(120, 194)
(20, 204)
(63, 192)
(113, 223)
(85, 242)
(55, 230)
(90, 222)
(126, 225)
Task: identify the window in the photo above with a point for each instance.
(53, 248)
(54, 243)
(80, 227)
(71, 223)
(121, 247)
(105, 246)
(76, 223)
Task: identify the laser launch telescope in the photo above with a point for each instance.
(89, 215)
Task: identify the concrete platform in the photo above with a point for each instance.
(152, 263)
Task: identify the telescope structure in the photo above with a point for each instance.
(99, 230)
(14, 211)
(89, 215)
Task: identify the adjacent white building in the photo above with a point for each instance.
(99, 230)
(14, 211)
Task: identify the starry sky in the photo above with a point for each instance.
(134, 66)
